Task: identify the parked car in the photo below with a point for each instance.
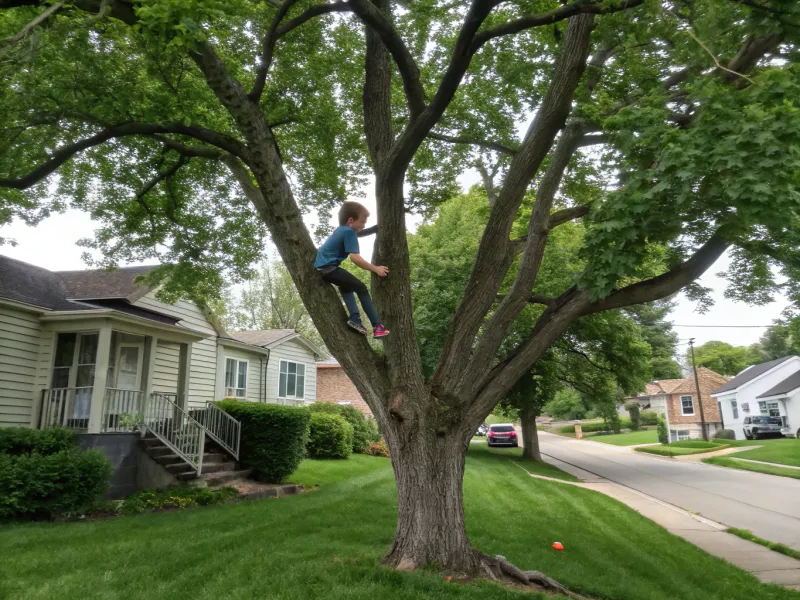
(482, 430)
(502, 435)
(755, 427)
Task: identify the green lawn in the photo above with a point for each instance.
(730, 462)
(785, 451)
(326, 544)
(626, 439)
(680, 450)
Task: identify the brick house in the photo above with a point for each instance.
(335, 387)
(676, 399)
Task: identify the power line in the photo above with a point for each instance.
(727, 326)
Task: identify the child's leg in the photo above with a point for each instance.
(352, 307)
(349, 285)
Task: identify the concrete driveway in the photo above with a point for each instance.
(767, 505)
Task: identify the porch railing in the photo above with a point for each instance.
(220, 426)
(176, 429)
(122, 410)
(66, 407)
(291, 402)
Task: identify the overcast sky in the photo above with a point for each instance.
(52, 245)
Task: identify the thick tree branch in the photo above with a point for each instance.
(567, 214)
(592, 140)
(377, 96)
(189, 151)
(63, 154)
(548, 18)
(380, 22)
(314, 11)
(495, 250)
(182, 160)
(666, 284)
(23, 33)
(267, 50)
(464, 139)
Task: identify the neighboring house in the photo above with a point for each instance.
(335, 387)
(677, 400)
(769, 389)
(84, 348)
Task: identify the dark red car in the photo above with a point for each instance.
(502, 435)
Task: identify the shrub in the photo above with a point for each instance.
(330, 436)
(174, 497)
(378, 449)
(593, 427)
(19, 440)
(273, 439)
(633, 411)
(693, 444)
(663, 434)
(47, 485)
(725, 434)
(648, 417)
(365, 431)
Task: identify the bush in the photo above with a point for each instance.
(174, 497)
(663, 434)
(634, 412)
(365, 431)
(48, 485)
(330, 436)
(725, 434)
(693, 444)
(273, 439)
(648, 417)
(18, 440)
(378, 449)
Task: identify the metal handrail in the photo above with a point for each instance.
(60, 408)
(122, 409)
(220, 427)
(176, 429)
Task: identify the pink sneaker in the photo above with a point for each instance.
(379, 331)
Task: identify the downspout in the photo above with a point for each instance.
(264, 364)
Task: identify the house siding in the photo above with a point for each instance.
(203, 373)
(255, 382)
(334, 386)
(20, 349)
(295, 352)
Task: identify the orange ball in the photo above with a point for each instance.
(447, 578)
(558, 545)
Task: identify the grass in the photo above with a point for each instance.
(626, 439)
(320, 545)
(674, 449)
(782, 548)
(732, 463)
(531, 466)
(784, 451)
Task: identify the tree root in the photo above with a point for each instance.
(498, 568)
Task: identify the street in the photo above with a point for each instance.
(767, 505)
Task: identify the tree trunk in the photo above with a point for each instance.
(530, 437)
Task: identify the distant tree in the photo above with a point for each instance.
(724, 358)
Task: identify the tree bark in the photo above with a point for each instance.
(530, 436)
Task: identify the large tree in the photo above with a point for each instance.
(186, 126)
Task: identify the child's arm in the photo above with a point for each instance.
(360, 262)
(368, 231)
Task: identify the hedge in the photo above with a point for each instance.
(725, 434)
(330, 436)
(593, 427)
(273, 437)
(48, 485)
(18, 440)
(648, 417)
(365, 431)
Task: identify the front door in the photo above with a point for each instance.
(129, 366)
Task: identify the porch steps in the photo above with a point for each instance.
(218, 466)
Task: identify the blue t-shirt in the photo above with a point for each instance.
(335, 249)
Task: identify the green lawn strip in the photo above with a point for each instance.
(785, 451)
(327, 544)
(670, 450)
(531, 466)
(626, 439)
(724, 461)
(782, 548)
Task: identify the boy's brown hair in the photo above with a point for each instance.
(351, 210)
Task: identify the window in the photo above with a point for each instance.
(683, 435)
(746, 406)
(687, 406)
(735, 409)
(235, 378)
(773, 409)
(762, 407)
(292, 382)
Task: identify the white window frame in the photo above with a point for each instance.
(773, 406)
(683, 408)
(683, 435)
(762, 408)
(280, 372)
(234, 392)
(735, 409)
(745, 407)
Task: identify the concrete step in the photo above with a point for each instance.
(177, 468)
(214, 478)
(208, 459)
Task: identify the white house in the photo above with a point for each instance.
(83, 349)
(771, 388)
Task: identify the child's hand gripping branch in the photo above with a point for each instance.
(342, 243)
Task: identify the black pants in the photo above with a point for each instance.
(349, 285)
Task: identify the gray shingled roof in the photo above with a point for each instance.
(792, 382)
(98, 283)
(749, 375)
(265, 337)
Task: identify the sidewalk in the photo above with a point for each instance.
(763, 563)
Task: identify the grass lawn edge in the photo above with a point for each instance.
(732, 463)
(749, 536)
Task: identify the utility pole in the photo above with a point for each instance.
(699, 397)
